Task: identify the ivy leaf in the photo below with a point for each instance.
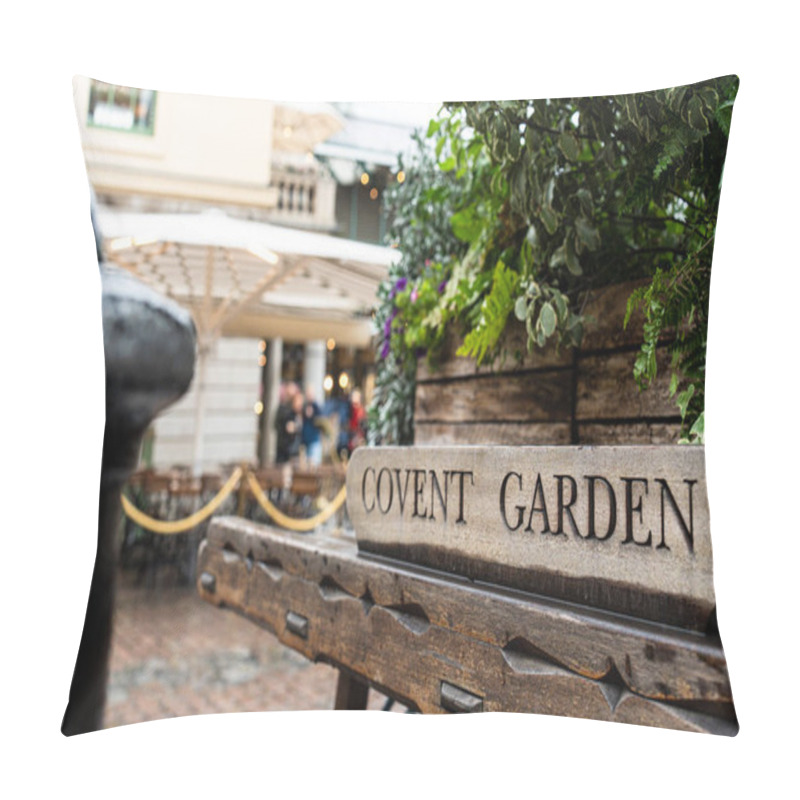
(683, 400)
(695, 114)
(519, 188)
(521, 309)
(573, 263)
(549, 218)
(559, 258)
(569, 145)
(697, 431)
(588, 234)
(561, 306)
(548, 319)
(585, 197)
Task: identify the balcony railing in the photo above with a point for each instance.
(305, 199)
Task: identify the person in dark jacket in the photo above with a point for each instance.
(312, 435)
(288, 423)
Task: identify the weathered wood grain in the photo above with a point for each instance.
(500, 433)
(415, 634)
(351, 692)
(641, 432)
(584, 387)
(606, 389)
(605, 310)
(524, 396)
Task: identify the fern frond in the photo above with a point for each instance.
(496, 307)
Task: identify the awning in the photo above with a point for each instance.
(245, 278)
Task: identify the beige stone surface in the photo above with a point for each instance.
(618, 528)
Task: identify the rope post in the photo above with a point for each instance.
(242, 501)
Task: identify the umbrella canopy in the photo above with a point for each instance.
(245, 278)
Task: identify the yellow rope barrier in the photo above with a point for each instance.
(182, 525)
(289, 522)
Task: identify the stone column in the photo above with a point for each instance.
(203, 351)
(314, 368)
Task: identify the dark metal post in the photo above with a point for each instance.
(149, 346)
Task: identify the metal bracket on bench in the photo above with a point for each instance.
(297, 624)
(208, 582)
(459, 700)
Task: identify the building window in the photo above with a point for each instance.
(121, 108)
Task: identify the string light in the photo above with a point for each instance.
(344, 380)
(364, 178)
(401, 176)
(331, 344)
(373, 194)
(262, 346)
(262, 360)
(327, 384)
(258, 407)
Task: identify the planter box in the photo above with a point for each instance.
(571, 396)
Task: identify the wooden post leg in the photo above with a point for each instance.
(351, 693)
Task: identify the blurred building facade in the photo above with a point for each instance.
(266, 219)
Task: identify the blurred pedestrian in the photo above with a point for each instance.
(358, 421)
(288, 423)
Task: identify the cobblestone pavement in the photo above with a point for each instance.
(175, 655)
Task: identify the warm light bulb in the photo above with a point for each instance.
(331, 344)
(327, 384)
(373, 194)
(344, 380)
(262, 345)
(401, 176)
(364, 178)
(258, 407)
(262, 360)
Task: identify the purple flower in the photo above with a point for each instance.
(387, 326)
(385, 349)
(442, 285)
(399, 285)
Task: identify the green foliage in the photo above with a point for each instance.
(534, 203)
(420, 210)
(496, 307)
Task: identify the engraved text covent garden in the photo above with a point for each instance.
(523, 502)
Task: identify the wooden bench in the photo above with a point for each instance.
(438, 643)
(558, 580)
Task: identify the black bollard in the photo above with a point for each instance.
(149, 346)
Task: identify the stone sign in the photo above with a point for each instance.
(624, 529)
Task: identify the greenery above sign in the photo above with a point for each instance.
(517, 209)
